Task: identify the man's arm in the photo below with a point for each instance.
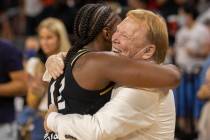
(124, 114)
(16, 87)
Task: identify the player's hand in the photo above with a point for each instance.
(52, 108)
(55, 64)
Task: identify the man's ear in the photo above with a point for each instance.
(107, 33)
(149, 51)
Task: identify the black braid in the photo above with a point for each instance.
(80, 30)
(89, 22)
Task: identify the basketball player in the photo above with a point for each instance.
(90, 75)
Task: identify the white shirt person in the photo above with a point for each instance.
(134, 114)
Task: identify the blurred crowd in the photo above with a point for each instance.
(32, 30)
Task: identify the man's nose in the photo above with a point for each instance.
(115, 41)
(115, 38)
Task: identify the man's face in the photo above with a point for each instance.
(130, 38)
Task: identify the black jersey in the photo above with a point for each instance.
(72, 98)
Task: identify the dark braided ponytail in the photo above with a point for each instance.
(89, 22)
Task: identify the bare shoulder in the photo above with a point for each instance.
(100, 55)
(99, 58)
(104, 59)
(94, 61)
(99, 64)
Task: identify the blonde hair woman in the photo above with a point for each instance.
(53, 38)
(54, 27)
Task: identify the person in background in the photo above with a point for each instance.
(204, 121)
(53, 38)
(137, 4)
(61, 10)
(191, 48)
(31, 47)
(32, 9)
(12, 84)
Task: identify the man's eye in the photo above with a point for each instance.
(125, 36)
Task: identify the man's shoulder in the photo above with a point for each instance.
(140, 91)
(135, 92)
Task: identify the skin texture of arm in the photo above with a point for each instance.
(107, 67)
(16, 87)
(152, 75)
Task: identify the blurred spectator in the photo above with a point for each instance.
(12, 84)
(167, 7)
(207, 23)
(204, 122)
(62, 11)
(32, 9)
(203, 5)
(192, 45)
(31, 47)
(204, 16)
(6, 4)
(48, 2)
(5, 27)
(123, 2)
(115, 6)
(204, 94)
(137, 4)
(169, 10)
(204, 91)
(53, 39)
(118, 8)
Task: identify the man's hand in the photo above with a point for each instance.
(52, 108)
(55, 64)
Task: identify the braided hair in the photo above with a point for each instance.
(89, 22)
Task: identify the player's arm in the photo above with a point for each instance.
(124, 71)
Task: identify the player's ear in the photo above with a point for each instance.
(107, 33)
